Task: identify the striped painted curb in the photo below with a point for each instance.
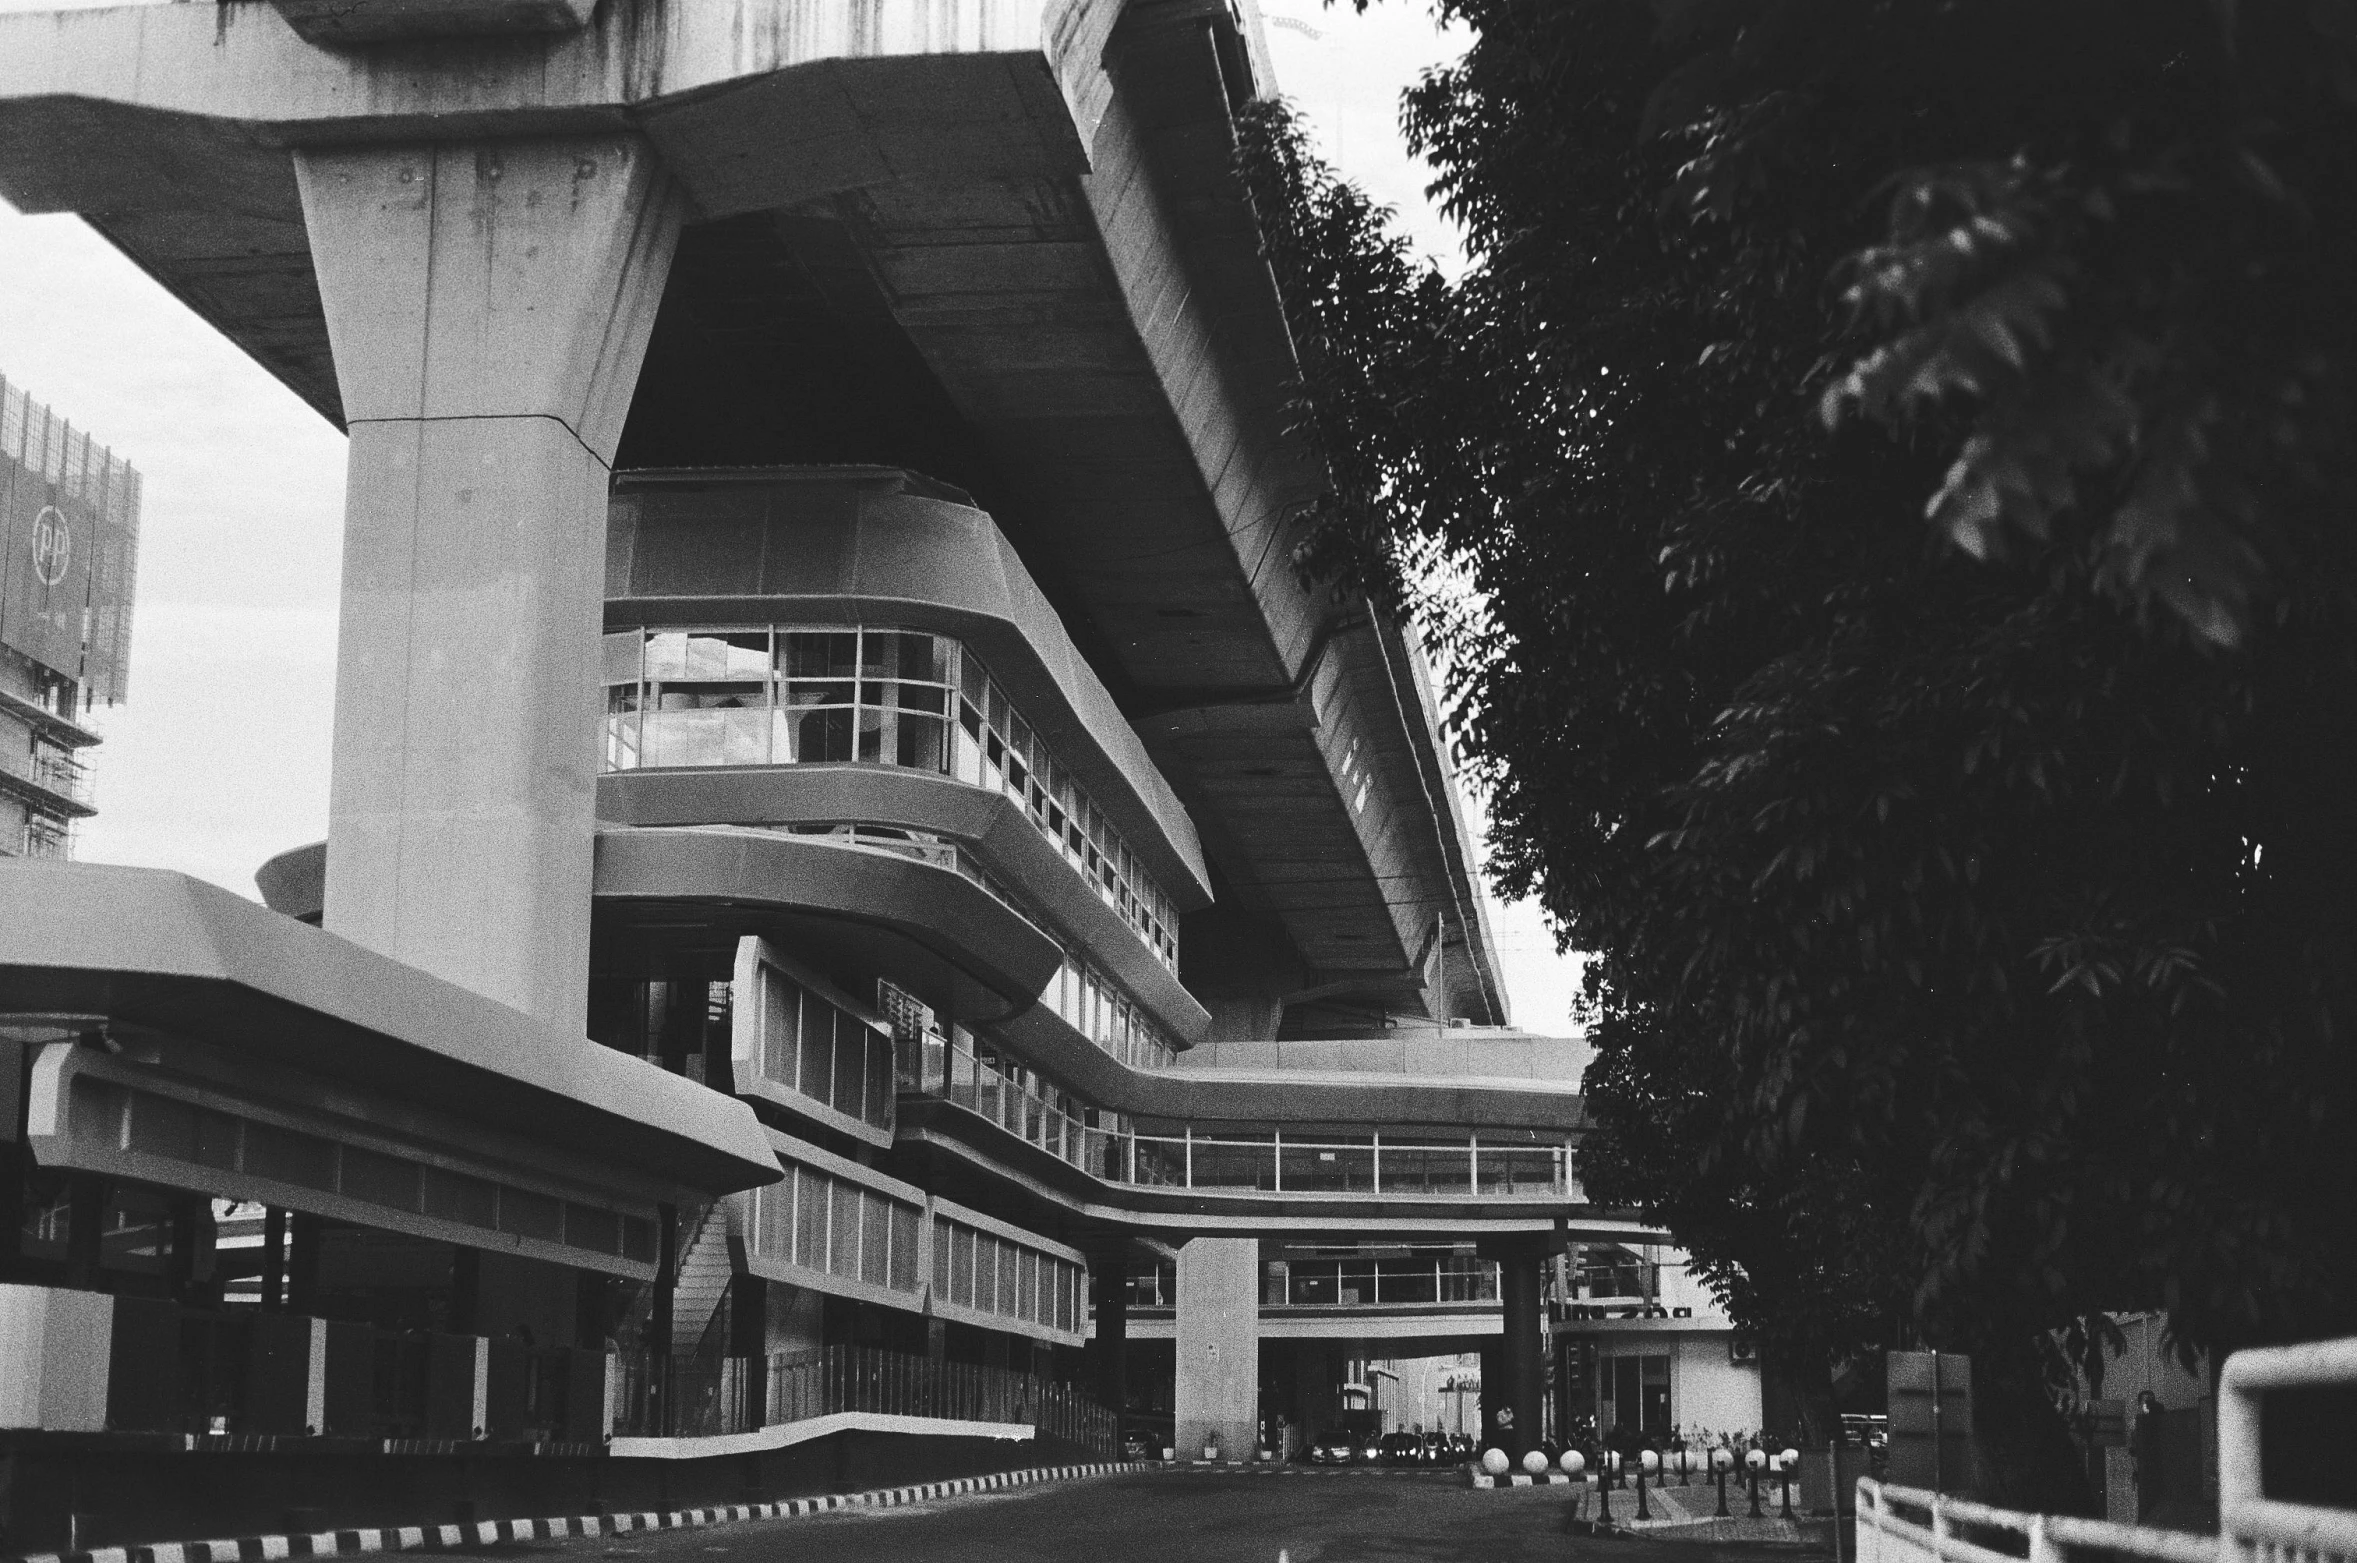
(445, 1538)
(1309, 1470)
(1482, 1479)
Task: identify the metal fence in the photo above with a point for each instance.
(684, 1397)
(1910, 1525)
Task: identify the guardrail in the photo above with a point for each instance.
(2251, 1525)
(1954, 1530)
(1910, 1525)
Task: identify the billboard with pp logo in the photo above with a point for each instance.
(69, 529)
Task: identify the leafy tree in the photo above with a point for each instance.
(1900, 448)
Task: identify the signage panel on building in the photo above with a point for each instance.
(69, 533)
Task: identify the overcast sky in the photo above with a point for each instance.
(219, 758)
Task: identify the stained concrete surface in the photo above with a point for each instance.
(1182, 1517)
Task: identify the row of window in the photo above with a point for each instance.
(876, 696)
(989, 1274)
(817, 1221)
(818, 1049)
(139, 1121)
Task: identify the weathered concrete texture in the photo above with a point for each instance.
(1217, 1390)
(489, 305)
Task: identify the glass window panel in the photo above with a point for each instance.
(818, 1058)
(961, 1279)
(941, 1267)
(875, 1241)
(921, 743)
(621, 656)
(904, 1247)
(878, 1112)
(781, 1028)
(914, 697)
(973, 682)
(821, 654)
(811, 1209)
(850, 1066)
(821, 735)
(704, 726)
(878, 736)
(843, 1231)
(666, 654)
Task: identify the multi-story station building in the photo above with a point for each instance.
(69, 543)
(854, 865)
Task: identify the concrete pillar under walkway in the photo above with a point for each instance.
(1217, 1389)
(1108, 1349)
(488, 304)
(1513, 1369)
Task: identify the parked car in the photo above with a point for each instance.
(1338, 1446)
(1401, 1449)
(1440, 1449)
(1141, 1443)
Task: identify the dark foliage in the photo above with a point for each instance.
(1903, 446)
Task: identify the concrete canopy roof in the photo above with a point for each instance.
(160, 950)
(1014, 226)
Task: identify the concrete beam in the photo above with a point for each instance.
(489, 306)
(346, 23)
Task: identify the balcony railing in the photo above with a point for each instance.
(687, 1398)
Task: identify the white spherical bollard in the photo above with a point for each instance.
(1535, 1461)
(1722, 1460)
(1494, 1461)
(1573, 1462)
(1789, 1459)
(1650, 1461)
(1756, 1459)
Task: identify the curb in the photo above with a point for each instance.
(1272, 1469)
(443, 1538)
(1482, 1480)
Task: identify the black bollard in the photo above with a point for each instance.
(1722, 1475)
(1752, 1472)
(1643, 1512)
(1603, 1494)
(1786, 1472)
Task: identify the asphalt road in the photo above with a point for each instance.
(1178, 1517)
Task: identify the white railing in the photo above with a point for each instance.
(1910, 1525)
(2252, 1527)
(1914, 1525)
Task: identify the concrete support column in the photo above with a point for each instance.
(1513, 1395)
(489, 304)
(1109, 1347)
(1217, 1389)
